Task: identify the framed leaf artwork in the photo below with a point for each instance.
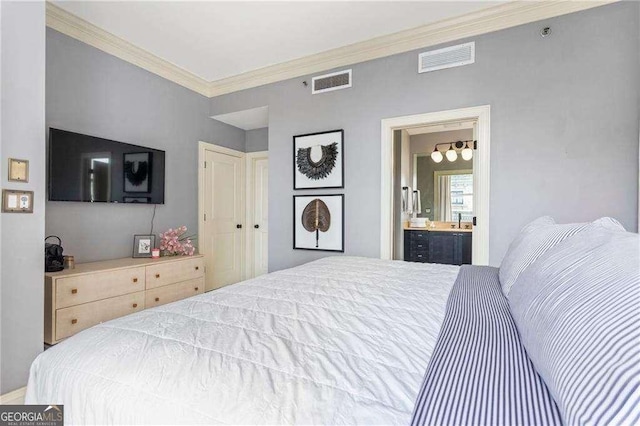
(318, 222)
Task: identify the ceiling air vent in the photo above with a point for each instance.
(329, 82)
(449, 57)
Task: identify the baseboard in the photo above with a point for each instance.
(15, 397)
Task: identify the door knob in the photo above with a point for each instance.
(256, 226)
(239, 226)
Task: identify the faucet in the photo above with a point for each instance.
(459, 219)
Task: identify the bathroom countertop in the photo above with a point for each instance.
(442, 227)
(456, 229)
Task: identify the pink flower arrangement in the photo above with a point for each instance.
(174, 243)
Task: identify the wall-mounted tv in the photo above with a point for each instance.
(91, 169)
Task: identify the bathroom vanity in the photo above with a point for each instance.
(450, 246)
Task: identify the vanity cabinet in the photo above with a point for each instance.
(416, 246)
(447, 247)
(451, 248)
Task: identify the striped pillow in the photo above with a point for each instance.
(535, 239)
(577, 309)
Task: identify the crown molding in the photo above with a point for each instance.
(484, 21)
(75, 27)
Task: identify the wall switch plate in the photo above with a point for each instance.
(18, 170)
(17, 201)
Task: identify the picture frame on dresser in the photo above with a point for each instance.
(318, 160)
(143, 245)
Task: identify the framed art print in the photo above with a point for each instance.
(318, 160)
(318, 222)
(137, 172)
(143, 245)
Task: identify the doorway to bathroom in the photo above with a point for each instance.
(435, 187)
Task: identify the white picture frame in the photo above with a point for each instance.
(318, 160)
(329, 235)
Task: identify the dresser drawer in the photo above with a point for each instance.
(173, 272)
(71, 291)
(71, 320)
(171, 293)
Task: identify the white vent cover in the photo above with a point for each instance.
(449, 57)
(330, 82)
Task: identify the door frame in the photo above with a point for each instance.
(251, 157)
(481, 168)
(202, 148)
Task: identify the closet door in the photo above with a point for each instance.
(223, 219)
(259, 215)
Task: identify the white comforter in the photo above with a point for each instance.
(341, 340)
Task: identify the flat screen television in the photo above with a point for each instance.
(96, 170)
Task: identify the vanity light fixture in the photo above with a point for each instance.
(452, 153)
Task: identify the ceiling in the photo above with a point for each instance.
(215, 40)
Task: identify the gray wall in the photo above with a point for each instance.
(564, 126)
(23, 136)
(91, 92)
(257, 140)
(424, 144)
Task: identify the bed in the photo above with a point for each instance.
(342, 340)
(551, 337)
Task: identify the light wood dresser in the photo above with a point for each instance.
(95, 292)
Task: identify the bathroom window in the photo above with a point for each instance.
(462, 197)
(454, 195)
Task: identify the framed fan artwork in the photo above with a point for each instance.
(137, 172)
(318, 160)
(318, 222)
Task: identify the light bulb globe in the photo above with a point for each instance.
(452, 155)
(436, 156)
(467, 153)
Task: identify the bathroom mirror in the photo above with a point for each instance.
(453, 195)
(446, 189)
(441, 171)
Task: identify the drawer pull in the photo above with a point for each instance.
(197, 268)
(135, 305)
(157, 275)
(157, 299)
(135, 280)
(74, 291)
(197, 288)
(74, 321)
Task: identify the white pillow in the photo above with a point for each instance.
(538, 237)
(577, 309)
